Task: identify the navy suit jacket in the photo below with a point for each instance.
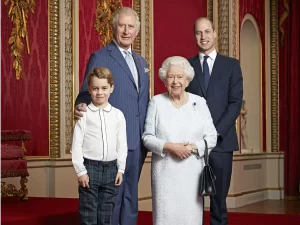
(125, 96)
(224, 97)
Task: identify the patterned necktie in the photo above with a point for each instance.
(206, 71)
(130, 62)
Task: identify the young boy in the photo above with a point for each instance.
(99, 151)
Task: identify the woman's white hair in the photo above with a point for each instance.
(126, 11)
(176, 61)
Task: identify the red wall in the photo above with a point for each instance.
(257, 9)
(24, 102)
(173, 31)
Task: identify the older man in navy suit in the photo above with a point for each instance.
(131, 96)
(219, 80)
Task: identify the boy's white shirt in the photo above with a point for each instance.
(100, 135)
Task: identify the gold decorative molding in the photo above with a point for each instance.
(69, 74)
(136, 5)
(149, 42)
(146, 23)
(104, 14)
(54, 81)
(210, 10)
(10, 189)
(235, 30)
(223, 27)
(274, 77)
(18, 11)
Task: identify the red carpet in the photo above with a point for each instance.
(62, 211)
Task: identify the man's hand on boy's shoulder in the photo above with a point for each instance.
(83, 181)
(119, 179)
(82, 107)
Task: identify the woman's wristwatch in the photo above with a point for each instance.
(194, 149)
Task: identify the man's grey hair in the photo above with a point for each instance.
(126, 11)
(176, 61)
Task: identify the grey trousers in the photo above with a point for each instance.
(97, 202)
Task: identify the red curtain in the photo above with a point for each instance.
(289, 92)
(24, 102)
(89, 39)
(257, 9)
(173, 31)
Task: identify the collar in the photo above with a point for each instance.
(122, 49)
(94, 108)
(211, 55)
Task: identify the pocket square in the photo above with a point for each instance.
(146, 70)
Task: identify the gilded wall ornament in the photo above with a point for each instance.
(104, 15)
(18, 12)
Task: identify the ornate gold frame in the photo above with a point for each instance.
(210, 10)
(54, 78)
(137, 46)
(274, 77)
(68, 75)
(223, 27)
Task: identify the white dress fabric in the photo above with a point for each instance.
(174, 181)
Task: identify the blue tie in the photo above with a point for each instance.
(206, 72)
(130, 62)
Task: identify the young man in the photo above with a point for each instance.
(99, 151)
(219, 80)
(131, 96)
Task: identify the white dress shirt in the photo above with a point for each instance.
(122, 49)
(210, 60)
(99, 135)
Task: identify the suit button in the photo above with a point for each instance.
(137, 115)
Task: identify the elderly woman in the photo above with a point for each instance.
(177, 123)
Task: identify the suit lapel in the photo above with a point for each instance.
(117, 55)
(198, 74)
(215, 73)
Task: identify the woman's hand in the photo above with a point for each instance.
(178, 150)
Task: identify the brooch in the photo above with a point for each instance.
(194, 105)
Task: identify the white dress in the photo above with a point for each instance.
(174, 181)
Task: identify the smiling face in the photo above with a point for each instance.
(126, 30)
(176, 81)
(205, 36)
(100, 91)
